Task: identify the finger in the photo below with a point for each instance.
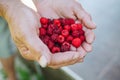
(49, 13)
(63, 58)
(90, 36)
(87, 47)
(82, 52)
(84, 17)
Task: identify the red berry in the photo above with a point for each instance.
(79, 26)
(57, 22)
(75, 33)
(69, 21)
(50, 29)
(67, 27)
(69, 39)
(72, 21)
(65, 33)
(50, 44)
(43, 20)
(55, 49)
(58, 30)
(76, 42)
(82, 32)
(65, 47)
(82, 38)
(61, 39)
(42, 31)
(74, 27)
(46, 39)
(54, 37)
(45, 26)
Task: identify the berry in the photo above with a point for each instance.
(82, 32)
(69, 21)
(82, 38)
(76, 42)
(50, 44)
(54, 37)
(50, 29)
(57, 22)
(69, 39)
(74, 27)
(65, 47)
(61, 39)
(75, 33)
(46, 39)
(42, 31)
(55, 49)
(65, 33)
(79, 26)
(67, 27)
(57, 30)
(45, 26)
(43, 20)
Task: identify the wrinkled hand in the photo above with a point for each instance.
(68, 9)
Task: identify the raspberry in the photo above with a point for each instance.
(74, 27)
(43, 20)
(54, 37)
(61, 39)
(65, 33)
(45, 26)
(50, 44)
(69, 21)
(79, 26)
(65, 47)
(55, 49)
(76, 42)
(67, 27)
(72, 21)
(75, 33)
(69, 39)
(58, 30)
(57, 22)
(82, 32)
(50, 29)
(42, 31)
(46, 39)
(82, 38)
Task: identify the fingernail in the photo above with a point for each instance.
(42, 61)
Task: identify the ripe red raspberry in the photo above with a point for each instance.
(76, 42)
(50, 29)
(65, 33)
(82, 38)
(54, 37)
(65, 47)
(50, 44)
(82, 32)
(55, 49)
(74, 27)
(56, 22)
(79, 26)
(42, 31)
(75, 33)
(61, 39)
(45, 26)
(57, 30)
(43, 20)
(69, 21)
(67, 27)
(46, 39)
(69, 39)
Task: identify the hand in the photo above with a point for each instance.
(68, 9)
(24, 27)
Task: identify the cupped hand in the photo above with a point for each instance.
(68, 9)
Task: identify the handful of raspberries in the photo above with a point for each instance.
(60, 34)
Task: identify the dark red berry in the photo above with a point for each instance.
(55, 49)
(54, 37)
(57, 22)
(79, 26)
(45, 26)
(65, 47)
(43, 20)
(75, 33)
(57, 30)
(74, 27)
(65, 33)
(50, 44)
(82, 32)
(61, 39)
(50, 29)
(67, 27)
(46, 39)
(42, 31)
(69, 39)
(82, 38)
(76, 42)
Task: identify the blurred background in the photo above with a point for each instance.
(103, 63)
